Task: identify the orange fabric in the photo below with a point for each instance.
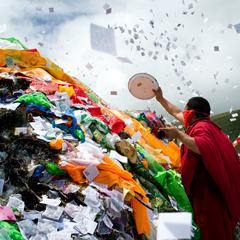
(111, 175)
(56, 144)
(75, 172)
(151, 143)
(145, 163)
(140, 215)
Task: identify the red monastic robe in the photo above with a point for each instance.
(212, 181)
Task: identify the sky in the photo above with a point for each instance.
(189, 46)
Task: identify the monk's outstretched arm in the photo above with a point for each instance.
(168, 106)
(188, 141)
(174, 133)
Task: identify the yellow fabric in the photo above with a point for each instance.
(29, 60)
(38, 73)
(68, 90)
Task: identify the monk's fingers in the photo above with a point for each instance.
(156, 90)
(166, 129)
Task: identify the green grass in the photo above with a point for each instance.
(230, 128)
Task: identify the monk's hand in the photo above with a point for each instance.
(158, 93)
(170, 132)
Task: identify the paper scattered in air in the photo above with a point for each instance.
(124, 60)
(109, 10)
(51, 9)
(237, 27)
(234, 115)
(103, 39)
(114, 93)
(89, 66)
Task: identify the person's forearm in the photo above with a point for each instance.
(188, 141)
(169, 107)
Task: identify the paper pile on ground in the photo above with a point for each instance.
(73, 168)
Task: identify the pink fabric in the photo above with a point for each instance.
(42, 86)
(6, 214)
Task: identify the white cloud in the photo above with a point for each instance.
(66, 38)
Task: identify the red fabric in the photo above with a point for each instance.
(92, 107)
(212, 181)
(238, 140)
(187, 115)
(116, 124)
(31, 50)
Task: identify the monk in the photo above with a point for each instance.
(210, 168)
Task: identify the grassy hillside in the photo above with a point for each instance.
(230, 128)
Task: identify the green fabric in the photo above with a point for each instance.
(154, 166)
(53, 169)
(139, 169)
(87, 119)
(11, 231)
(196, 231)
(93, 97)
(169, 180)
(171, 183)
(79, 134)
(100, 138)
(156, 197)
(38, 98)
(14, 40)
